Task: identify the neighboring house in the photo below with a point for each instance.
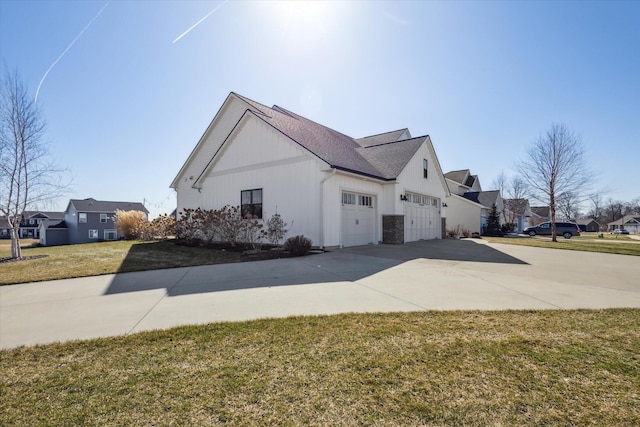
(461, 181)
(331, 188)
(85, 221)
(588, 224)
(468, 206)
(30, 223)
(540, 214)
(519, 213)
(631, 223)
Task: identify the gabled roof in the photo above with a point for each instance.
(93, 205)
(585, 221)
(382, 138)
(627, 219)
(382, 161)
(458, 176)
(541, 211)
(486, 198)
(43, 215)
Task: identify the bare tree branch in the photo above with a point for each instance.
(555, 165)
(28, 176)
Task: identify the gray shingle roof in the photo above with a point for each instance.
(458, 176)
(485, 198)
(93, 205)
(384, 161)
(382, 138)
(542, 211)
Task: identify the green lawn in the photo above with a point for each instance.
(60, 262)
(564, 368)
(621, 246)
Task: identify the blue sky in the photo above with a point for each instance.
(128, 101)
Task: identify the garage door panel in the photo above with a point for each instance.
(422, 218)
(358, 219)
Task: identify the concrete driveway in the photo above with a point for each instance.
(430, 275)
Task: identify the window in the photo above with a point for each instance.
(251, 203)
(82, 218)
(365, 201)
(103, 217)
(348, 199)
(93, 234)
(425, 165)
(110, 235)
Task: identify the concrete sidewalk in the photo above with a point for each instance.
(430, 275)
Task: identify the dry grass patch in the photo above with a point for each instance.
(620, 247)
(429, 368)
(91, 259)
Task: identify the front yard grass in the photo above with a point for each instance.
(620, 247)
(560, 368)
(91, 259)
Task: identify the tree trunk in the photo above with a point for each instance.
(552, 208)
(15, 244)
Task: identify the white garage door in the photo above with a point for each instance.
(421, 217)
(358, 219)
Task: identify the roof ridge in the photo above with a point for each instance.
(394, 142)
(384, 133)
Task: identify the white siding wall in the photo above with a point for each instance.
(463, 213)
(412, 178)
(260, 157)
(333, 189)
(218, 131)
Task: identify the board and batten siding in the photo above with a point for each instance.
(259, 157)
(211, 141)
(463, 213)
(333, 189)
(412, 178)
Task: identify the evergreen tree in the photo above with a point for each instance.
(493, 223)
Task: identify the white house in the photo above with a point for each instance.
(631, 223)
(331, 188)
(468, 206)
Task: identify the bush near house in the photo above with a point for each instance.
(298, 245)
(133, 225)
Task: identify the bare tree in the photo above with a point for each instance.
(555, 164)
(569, 205)
(500, 183)
(27, 176)
(614, 210)
(516, 198)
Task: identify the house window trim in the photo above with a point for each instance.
(252, 210)
(81, 216)
(93, 234)
(105, 217)
(110, 230)
(425, 168)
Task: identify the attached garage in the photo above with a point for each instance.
(421, 217)
(358, 219)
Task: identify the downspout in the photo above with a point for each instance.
(333, 172)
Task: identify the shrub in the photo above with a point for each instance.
(276, 229)
(298, 245)
(131, 224)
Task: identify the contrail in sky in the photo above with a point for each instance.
(69, 47)
(200, 21)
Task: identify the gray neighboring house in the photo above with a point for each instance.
(30, 224)
(85, 221)
(589, 224)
